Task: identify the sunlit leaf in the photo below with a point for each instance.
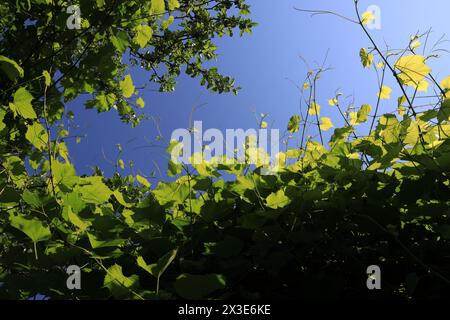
(412, 69)
(326, 124)
(37, 135)
(294, 124)
(366, 58)
(143, 35)
(314, 109)
(367, 17)
(385, 92)
(277, 200)
(22, 104)
(127, 86)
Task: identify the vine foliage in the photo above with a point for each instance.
(310, 230)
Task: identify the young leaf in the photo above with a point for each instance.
(445, 84)
(158, 7)
(294, 124)
(363, 113)
(173, 4)
(143, 35)
(385, 92)
(366, 58)
(127, 86)
(47, 78)
(367, 17)
(167, 23)
(326, 124)
(140, 102)
(143, 181)
(314, 109)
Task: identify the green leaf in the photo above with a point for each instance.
(121, 164)
(171, 192)
(174, 168)
(158, 7)
(326, 124)
(22, 104)
(412, 69)
(10, 68)
(127, 86)
(294, 124)
(174, 4)
(16, 170)
(143, 35)
(444, 111)
(118, 284)
(2, 116)
(143, 181)
(76, 220)
(64, 175)
(277, 200)
(96, 243)
(47, 77)
(140, 102)
(190, 286)
(167, 23)
(363, 113)
(37, 135)
(120, 198)
(157, 269)
(366, 58)
(120, 41)
(33, 228)
(172, 145)
(93, 190)
(33, 199)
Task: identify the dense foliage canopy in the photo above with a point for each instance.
(310, 230)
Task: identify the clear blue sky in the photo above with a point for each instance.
(262, 63)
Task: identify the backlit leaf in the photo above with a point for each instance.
(412, 69)
(277, 200)
(385, 92)
(127, 86)
(22, 104)
(37, 135)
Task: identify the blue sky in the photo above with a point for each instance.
(265, 64)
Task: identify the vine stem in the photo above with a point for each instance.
(394, 73)
(49, 143)
(378, 101)
(315, 109)
(35, 250)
